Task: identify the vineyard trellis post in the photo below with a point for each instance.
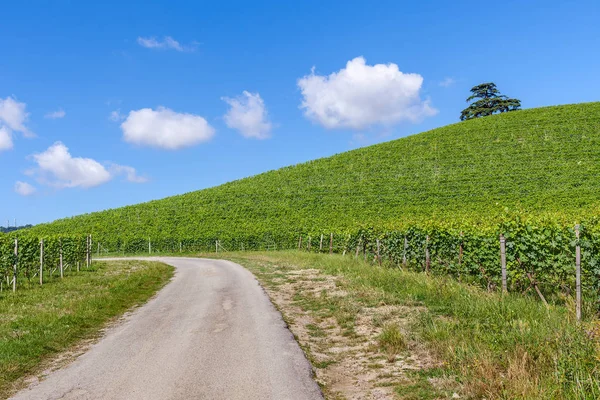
(41, 262)
(149, 246)
(404, 258)
(15, 265)
(503, 263)
(378, 252)
(309, 243)
(331, 243)
(358, 247)
(577, 274)
(300, 243)
(427, 260)
(321, 243)
(60, 252)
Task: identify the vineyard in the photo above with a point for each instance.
(436, 201)
(26, 259)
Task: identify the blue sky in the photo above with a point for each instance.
(105, 104)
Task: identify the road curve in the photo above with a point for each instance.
(211, 333)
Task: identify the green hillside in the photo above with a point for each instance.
(543, 161)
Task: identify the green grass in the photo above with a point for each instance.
(542, 161)
(508, 347)
(37, 323)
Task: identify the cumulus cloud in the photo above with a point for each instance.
(248, 114)
(362, 95)
(165, 44)
(24, 188)
(6, 142)
(56, 114)
(447, 82)
(13, 116)
(166, 129)
(56, 167)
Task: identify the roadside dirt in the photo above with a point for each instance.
(341, 336)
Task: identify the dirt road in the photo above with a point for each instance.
(211, 333)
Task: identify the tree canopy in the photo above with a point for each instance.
(490, 102)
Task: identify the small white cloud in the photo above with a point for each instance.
(129, 172)
(248, 114)
(447, 82)
(56, 114)
(57, 168)
(6, 142)
(165, 44)
(24, 188)
(13, 116)
(166, 129)
(361, 95)
(116, 116)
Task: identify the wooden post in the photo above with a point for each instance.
(404, 255)
(98, 249)
(77, 266)
(460, 249)
(503, 263)
(149, 246)
(378, 252)
(577, 274)
(321, 243)
(300, 243)
(180, 247)
(331, 244)
(15, 266)
(357, 248)
(90, 252)
(60, 254)
(87, 251)
(309, 240)
(427, 260)
(41, 262)
(216, 246)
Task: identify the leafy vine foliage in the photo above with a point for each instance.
(73, 248)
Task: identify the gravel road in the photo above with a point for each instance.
(211, 333)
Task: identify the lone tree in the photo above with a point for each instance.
(490, 102)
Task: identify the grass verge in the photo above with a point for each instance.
(38, 323)
(495, 347)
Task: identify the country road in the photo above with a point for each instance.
(211, 333)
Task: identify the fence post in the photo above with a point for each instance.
(41, 262)
(427, 260)
(331, 243)
(503, 263)
(60, 254)
(404, 258)
(578, 274)
(15, 266)
(321, 243)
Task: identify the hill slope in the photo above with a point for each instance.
(543, 161)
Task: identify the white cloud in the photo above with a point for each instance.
(166, 43)
(447, 82)
(248, 114)
(24, 188)
(6, 142)
(57, 168)
(116, 116)
(13, 116)
(165, 128)
(361, 95)
(129, 172)
(56, 114)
